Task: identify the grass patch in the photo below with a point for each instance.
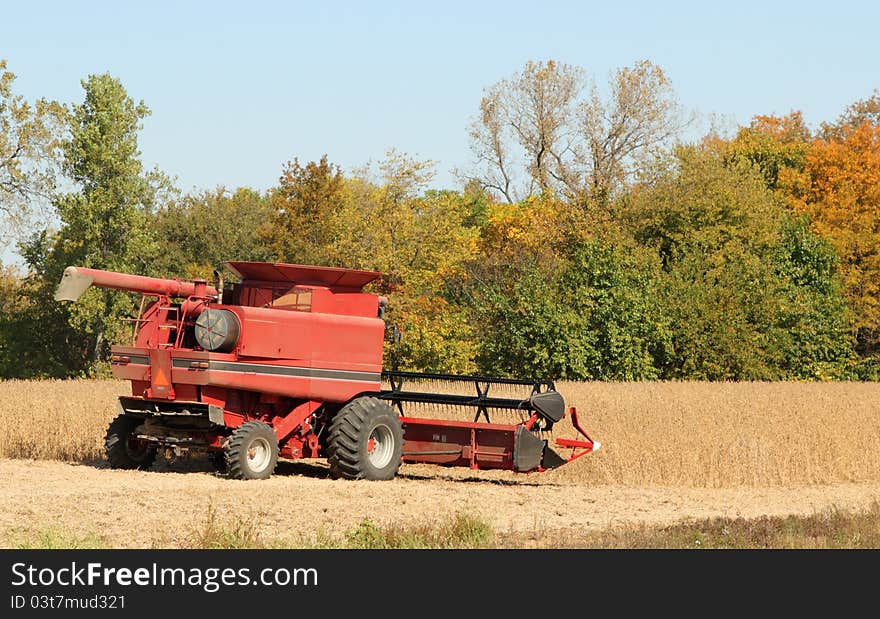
(233, 532)
(57, 539)
(227, 533)
(832, 529)
(459, 531)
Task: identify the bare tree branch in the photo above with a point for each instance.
(539, 123)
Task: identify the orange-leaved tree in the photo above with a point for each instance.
(842, 198)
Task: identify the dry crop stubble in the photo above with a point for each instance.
(727, 434)
(57, 419)
(691, 434)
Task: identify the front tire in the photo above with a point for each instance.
(365, 441)
(252, 451)
(123, 450)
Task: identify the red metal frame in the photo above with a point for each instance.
(587, 446)
(478, 445)
(458, 443)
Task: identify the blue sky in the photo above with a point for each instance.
(238, 88)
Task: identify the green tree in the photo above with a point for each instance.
(199, 232)
(777, 146)
(103, 225)
(750, 293)
(596, 319)
(11, 305)
(702, 203)
(30, 134)
(303, 209)
(813, 334)
(37, 339)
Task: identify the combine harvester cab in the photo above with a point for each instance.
(288, 363)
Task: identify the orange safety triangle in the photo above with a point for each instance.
(160, 378)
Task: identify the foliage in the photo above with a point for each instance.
(103, 225)
(302, 209)
(199, 232)
(30, 135)
(543, 131)
(750, 293)
(842, 200)
(833, 178)
(778, 146)
(12, 303)
(595, 320)
(583, 246)
(551, 298)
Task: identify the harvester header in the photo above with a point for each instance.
(287, 363)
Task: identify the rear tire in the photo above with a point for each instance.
(252, 451)
(125, 452)
(365, 441)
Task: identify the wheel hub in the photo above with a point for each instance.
(258, 455)
(380, 446)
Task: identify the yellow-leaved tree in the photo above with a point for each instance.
(843, 201)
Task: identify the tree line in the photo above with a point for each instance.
(588, 240)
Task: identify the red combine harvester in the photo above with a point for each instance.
(288, 363)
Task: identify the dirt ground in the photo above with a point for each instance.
(153, 509)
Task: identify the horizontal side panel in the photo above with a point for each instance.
(275, 370)
(436, 444)
(134, 363)
(212, 369)
(458, 443)
(136, 368)
(302, 387)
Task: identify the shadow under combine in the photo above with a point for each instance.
(471, 479)
(201, 464)
(314, 470)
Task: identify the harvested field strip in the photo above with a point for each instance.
(61, 503)
(831, 529)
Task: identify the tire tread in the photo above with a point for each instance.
(233, 450)
(344, 454)
(114, 445)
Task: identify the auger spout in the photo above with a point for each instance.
(76, 280)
